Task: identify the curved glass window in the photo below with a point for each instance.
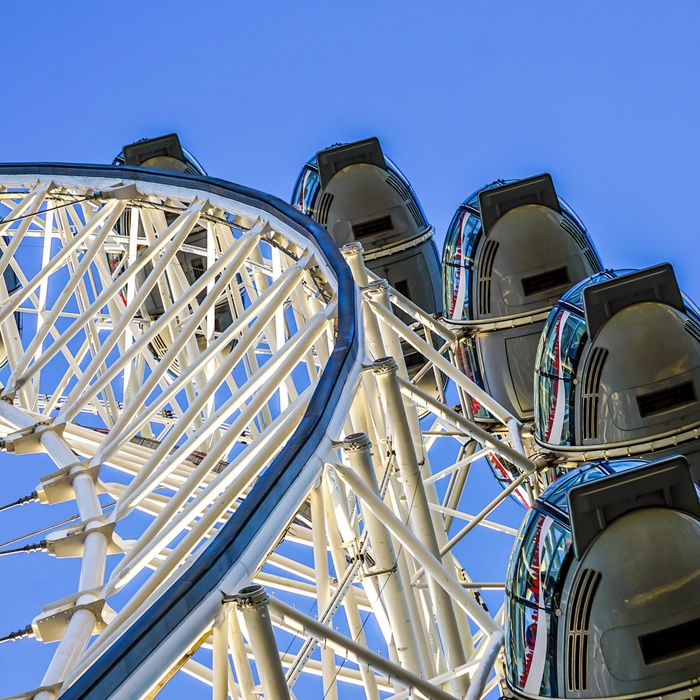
(574, 296)
(538, 560)
(691, 308)
(555, 367)
(468, 363)
(458, 262)
(538, 567)
(306, 189)
(505, 473)
(531, 666)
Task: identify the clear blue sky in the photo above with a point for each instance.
(602, 95)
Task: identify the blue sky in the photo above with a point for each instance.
(602, 95)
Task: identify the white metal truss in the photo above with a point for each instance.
(168, 339)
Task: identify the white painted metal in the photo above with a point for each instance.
(177, 418)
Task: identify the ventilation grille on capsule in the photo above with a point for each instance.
(485, 270)
(591, 392)
(582, 243)
(577, 639)
(693, 329)
(324, 207)
(408, 199)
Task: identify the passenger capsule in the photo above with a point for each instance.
(602, 590)
(618, 369)
(512, 249)
(357, 194)
(166, 153)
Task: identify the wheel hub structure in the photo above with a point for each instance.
(265, 502)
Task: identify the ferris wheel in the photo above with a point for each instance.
(230, 412)
(274, 454)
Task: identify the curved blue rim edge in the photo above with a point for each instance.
(124, 656)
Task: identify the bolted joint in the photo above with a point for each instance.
(352, 248)
(252, 597)
(376, 288)
(384, 365)
(356, 442)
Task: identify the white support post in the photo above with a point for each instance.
(391, 587)
(220, 667)
(360, 651)
(419, 511)
(433, 566)
(422, 398)
(252, 602)
(437, 359)
(82, 623)
(353, 255)
(240, 657)
(318, 519)
(351, 610)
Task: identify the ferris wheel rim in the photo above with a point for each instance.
(123, 646)
(297, 451)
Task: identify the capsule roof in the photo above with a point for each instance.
(305, 196)
(359, 195)
(565, 347)
(463, 241)
(160, 153)
(554, 499)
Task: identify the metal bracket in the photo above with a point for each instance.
(71, 541)
(30, 694)
(52, 624)
(28, 440)
(57, 487)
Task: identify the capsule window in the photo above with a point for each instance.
(671, 642)
(401, 287)
(372, 227)
(666, 399)
(545, 281)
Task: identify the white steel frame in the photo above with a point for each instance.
(186, 431)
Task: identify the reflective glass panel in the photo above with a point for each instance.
(306, 190)
(691, 308)
(468, 363)
(458, 262)
(526, 672)
(538, 568)
(556, 363)
(506, 473)
(538, 560)
(556, 495)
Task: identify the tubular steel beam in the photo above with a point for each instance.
(189, 604)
